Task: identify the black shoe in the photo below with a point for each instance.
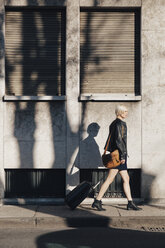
(98, 204)
(131, 205)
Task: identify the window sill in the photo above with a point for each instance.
(34, 98)
(109, 97)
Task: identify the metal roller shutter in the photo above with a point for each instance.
(35, 52)
(115, 190)
(35, 183)
(110, 51)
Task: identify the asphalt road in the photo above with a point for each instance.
(80, 238)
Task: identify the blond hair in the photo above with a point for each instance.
(120, 109)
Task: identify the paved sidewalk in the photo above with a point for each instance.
(30, 216)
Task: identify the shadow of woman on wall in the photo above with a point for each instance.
(89, 154)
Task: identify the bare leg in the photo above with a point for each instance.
(126, 185)
(111, 175)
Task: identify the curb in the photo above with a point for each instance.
(79, 222)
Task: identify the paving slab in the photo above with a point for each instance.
(110, 211)
(8, 211)
(147, 211)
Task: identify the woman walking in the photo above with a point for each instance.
(118, 140)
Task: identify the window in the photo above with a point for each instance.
(110, 53)
(35, 52)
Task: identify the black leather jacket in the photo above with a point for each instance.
(118, 140)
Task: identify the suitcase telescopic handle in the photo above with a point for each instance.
(94, 186)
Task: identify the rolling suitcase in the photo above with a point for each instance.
(78, 194)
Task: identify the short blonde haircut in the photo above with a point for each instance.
(120, 109)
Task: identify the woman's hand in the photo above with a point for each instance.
(123, 161)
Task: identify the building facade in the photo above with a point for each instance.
(65, 65)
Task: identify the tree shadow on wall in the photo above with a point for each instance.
(39, 61)
(40, 147)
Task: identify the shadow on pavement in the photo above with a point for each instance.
(101, 237)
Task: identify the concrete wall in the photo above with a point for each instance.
(64, 134)
(2, 84)
(153, 95)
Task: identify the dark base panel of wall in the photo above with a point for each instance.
(34, 183)
(116, 188)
